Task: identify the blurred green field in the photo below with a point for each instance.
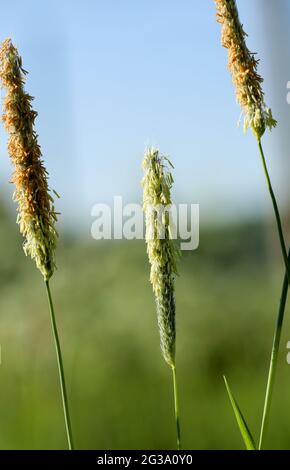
(119, 387)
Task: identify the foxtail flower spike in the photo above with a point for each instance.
(243, 67)
(161, 250)
(36, 215)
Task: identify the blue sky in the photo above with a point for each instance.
(111, 76)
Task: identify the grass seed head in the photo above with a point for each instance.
(36, 215)
(162, 252)
(243, 67)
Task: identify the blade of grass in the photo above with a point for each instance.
(243, 427)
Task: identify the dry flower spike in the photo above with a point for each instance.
(36, 214)
(243, 67)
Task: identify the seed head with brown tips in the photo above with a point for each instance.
(36, 215)
(243, 67)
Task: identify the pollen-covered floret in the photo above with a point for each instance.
(36, 214)
(243, 67)
(161, 250)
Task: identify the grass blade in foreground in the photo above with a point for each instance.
(243, 427)
(36, 214)
(162, 255)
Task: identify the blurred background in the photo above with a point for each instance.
(110, 78)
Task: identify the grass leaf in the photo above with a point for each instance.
(244, 429)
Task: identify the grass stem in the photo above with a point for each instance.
(281, 313)
(60, 369)
(274, 360)
(176, 408)
(277, 213)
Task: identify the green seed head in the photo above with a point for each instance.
(161, 250)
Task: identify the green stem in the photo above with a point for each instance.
(281, 314)
(274, 360)
(176, 407)
(60, 369)
(277, 213)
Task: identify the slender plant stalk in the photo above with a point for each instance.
(276, 210)
(243, 66)
(36, 213)
(281, 313)
(274, 361)
(176, 408)
(60, 369)
(163, 255)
